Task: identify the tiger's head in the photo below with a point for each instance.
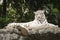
(39, 15)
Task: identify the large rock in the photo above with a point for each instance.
(45, 33)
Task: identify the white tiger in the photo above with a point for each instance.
(39, 19)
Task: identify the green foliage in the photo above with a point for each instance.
(55, 10)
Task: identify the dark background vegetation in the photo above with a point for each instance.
(15, 11)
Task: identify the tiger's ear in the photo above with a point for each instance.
(34, 12)
(43, 10)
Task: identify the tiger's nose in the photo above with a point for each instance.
(38, 17)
